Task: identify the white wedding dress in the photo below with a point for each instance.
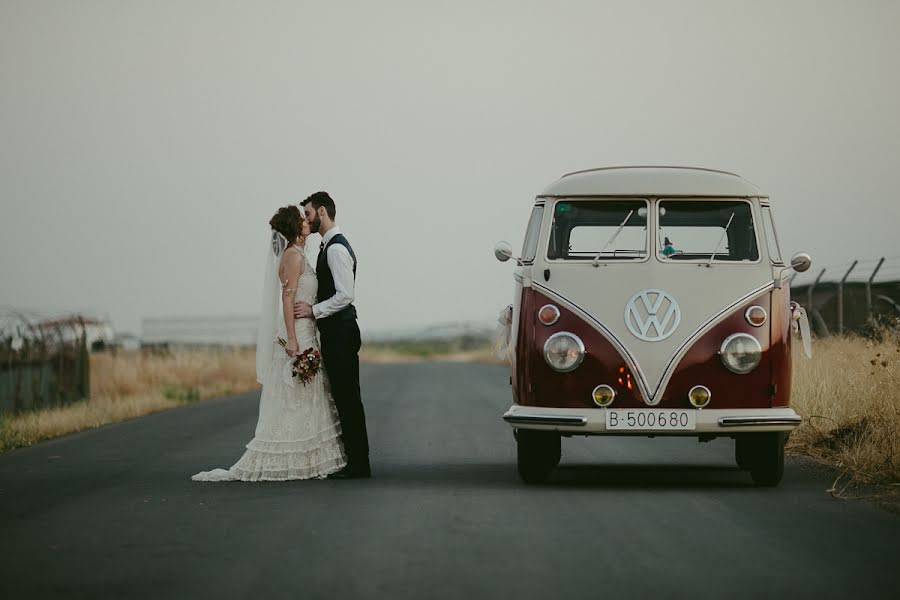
(298, 432)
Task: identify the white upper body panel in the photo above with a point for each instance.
(651, 181)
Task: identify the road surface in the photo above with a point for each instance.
(112, 513)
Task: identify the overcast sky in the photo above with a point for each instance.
(145, 145)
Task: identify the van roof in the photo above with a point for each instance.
(651, 181)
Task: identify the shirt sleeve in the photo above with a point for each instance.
(341, 264)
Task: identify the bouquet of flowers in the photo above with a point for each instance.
(306, 363)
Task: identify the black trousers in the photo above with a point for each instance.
(340, 353)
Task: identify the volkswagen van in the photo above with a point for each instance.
(651, 301)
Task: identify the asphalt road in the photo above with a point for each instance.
(112, 513)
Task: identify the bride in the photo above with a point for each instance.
(298, 432)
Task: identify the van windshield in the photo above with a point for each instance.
(700, 230)
(612, 229)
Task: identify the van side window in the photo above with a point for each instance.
(529, 249)
(771, 236)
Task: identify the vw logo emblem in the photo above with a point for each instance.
(652, 315)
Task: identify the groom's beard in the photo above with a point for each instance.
(314, 225)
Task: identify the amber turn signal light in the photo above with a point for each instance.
(756, 316)
(548, 314)
(603, 395)
(699, 396)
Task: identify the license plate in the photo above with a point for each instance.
(650, 419)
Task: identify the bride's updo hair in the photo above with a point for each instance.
(287, 222)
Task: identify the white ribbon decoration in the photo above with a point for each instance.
(800, 325)
(503, 332)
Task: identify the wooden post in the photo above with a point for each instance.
(86, 387)
(83, 382)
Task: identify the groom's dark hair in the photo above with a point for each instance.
(320, 199)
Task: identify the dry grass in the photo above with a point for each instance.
(380, 356)
(132, 384)
(849, 397)
(184, 374)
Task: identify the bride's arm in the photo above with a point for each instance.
(291, 266)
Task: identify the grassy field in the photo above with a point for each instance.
(848, 394)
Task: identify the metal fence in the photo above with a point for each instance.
(42, 364)
(854, 296)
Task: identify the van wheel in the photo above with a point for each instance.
(538, 454)
(767, 458)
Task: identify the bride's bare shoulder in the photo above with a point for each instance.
(291, 262)
(291, 258)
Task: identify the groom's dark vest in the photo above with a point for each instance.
(326, 282)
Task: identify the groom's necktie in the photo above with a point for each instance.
(321, 246)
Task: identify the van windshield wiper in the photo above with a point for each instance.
(596, 262)
(721, 239)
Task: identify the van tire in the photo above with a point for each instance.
(538, 454)
(767, 458)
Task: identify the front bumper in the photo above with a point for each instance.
(592, 421)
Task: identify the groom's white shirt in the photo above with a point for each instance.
(341, 264)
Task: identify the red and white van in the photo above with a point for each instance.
(652, 301)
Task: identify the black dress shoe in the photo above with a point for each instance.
(349, 472)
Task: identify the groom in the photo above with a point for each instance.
(336, 317)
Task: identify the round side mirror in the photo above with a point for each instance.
(503, 251)
(801, 262)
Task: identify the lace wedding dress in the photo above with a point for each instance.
(298, 432)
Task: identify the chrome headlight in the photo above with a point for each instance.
(741, 353)
(564, 351)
